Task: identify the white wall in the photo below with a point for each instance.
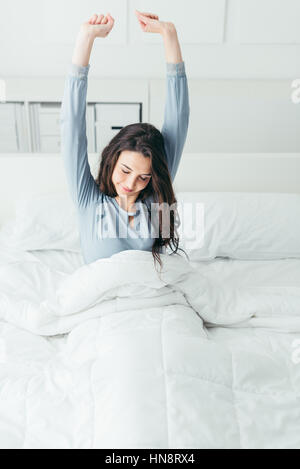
(241, 58)
(236, 115)
(219, 38)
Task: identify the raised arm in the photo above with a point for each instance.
(177, 108)
(82, 185)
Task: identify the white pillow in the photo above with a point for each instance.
(248, 226)
(241, 225)
(43, 222)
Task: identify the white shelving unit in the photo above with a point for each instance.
(13, 132)
(30, 116)
(103, 121)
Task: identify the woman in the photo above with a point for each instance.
(138, 165)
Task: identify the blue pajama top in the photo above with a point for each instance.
(103, 225)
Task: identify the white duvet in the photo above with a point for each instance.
(110, 355)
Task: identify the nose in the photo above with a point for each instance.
(130, 182)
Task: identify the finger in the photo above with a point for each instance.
(144, 18)
(143, 14)
(148, 14)
(94, 18)
(110, 23)
(99, 19)
(139, 13)
(105, 20)
(142, 22)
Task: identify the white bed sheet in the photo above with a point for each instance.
(205, 359)
(64, 261)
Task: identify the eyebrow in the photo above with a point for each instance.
(143, 174)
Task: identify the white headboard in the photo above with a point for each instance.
(205, 172)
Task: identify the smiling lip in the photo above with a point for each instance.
(127, 190)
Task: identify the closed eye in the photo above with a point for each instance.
(143, 179)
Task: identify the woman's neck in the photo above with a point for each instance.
(126, 204)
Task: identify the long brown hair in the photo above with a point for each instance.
(148, 140)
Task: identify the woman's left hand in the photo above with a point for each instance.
(150, 23)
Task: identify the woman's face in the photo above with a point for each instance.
(132, 171)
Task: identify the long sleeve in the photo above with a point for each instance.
(176, 117)
(82, 185)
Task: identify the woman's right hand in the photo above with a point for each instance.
(98, 25)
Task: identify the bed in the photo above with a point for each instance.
(112, 355)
